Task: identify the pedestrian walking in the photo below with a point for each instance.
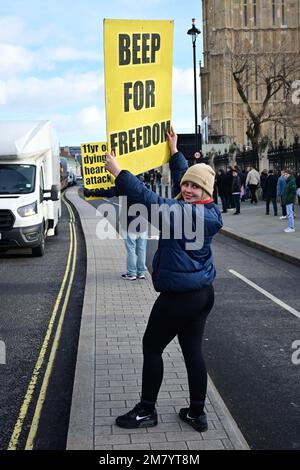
(280, 188)
(236, 190)
(288, 198)
(253, 181)
(271, 192)
(184, 277)
(135, 236)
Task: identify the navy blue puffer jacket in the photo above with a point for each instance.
(181, 263)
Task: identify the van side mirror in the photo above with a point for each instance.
(53, 193)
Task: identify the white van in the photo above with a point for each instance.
(30, 200)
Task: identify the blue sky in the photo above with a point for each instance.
(52, 61)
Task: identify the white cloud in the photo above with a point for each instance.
(14, 60)
(88, 124)
(2, 93)
(22, 49)
(13, 30)
(65, 54)
(183, 81)
(91, 118)
(69, 89)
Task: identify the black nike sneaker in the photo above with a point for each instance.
(199, 423)
(137, 418)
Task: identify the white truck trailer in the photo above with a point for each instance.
(30, 199)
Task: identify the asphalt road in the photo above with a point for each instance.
(248, 344)
(28, 291)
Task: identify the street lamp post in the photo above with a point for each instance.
(194, 33)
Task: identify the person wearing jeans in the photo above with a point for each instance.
(288, 197)
(290, 215)
(280, 188)
(134, 234)
(136, 245)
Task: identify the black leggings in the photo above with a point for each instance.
(182, 314)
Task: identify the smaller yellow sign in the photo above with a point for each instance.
(95, 176)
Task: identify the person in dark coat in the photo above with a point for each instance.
(223, 189)
(183, 273)
(271, 192)
(236, 191)
(263, 179)
(229, 189)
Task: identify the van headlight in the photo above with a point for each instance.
(27, 211)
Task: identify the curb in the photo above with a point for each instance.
(235, 435)
(81, 423)
(260, 246)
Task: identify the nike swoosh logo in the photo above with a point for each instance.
(138, 418)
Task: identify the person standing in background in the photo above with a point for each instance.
(280, 188)
(271, 192)
(236, 191)
(253, 181)
(288, 198)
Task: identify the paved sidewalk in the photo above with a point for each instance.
(109, 362)
(265, 232)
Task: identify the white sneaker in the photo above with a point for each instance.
(283, 217)
(128, 277)
(289, 230)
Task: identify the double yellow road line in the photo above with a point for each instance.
(62, 299)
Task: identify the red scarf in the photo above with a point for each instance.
(206, 201)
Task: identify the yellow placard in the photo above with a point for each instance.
(95, 176)
(138, 57)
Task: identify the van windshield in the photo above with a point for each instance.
(17, 179)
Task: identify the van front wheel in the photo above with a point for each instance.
(40, 249)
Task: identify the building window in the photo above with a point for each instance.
(282, 12)
(245, 13)
(254, 13)
(274, 12)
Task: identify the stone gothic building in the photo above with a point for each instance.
(237, 27)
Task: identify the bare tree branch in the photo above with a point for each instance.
(270, 73)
